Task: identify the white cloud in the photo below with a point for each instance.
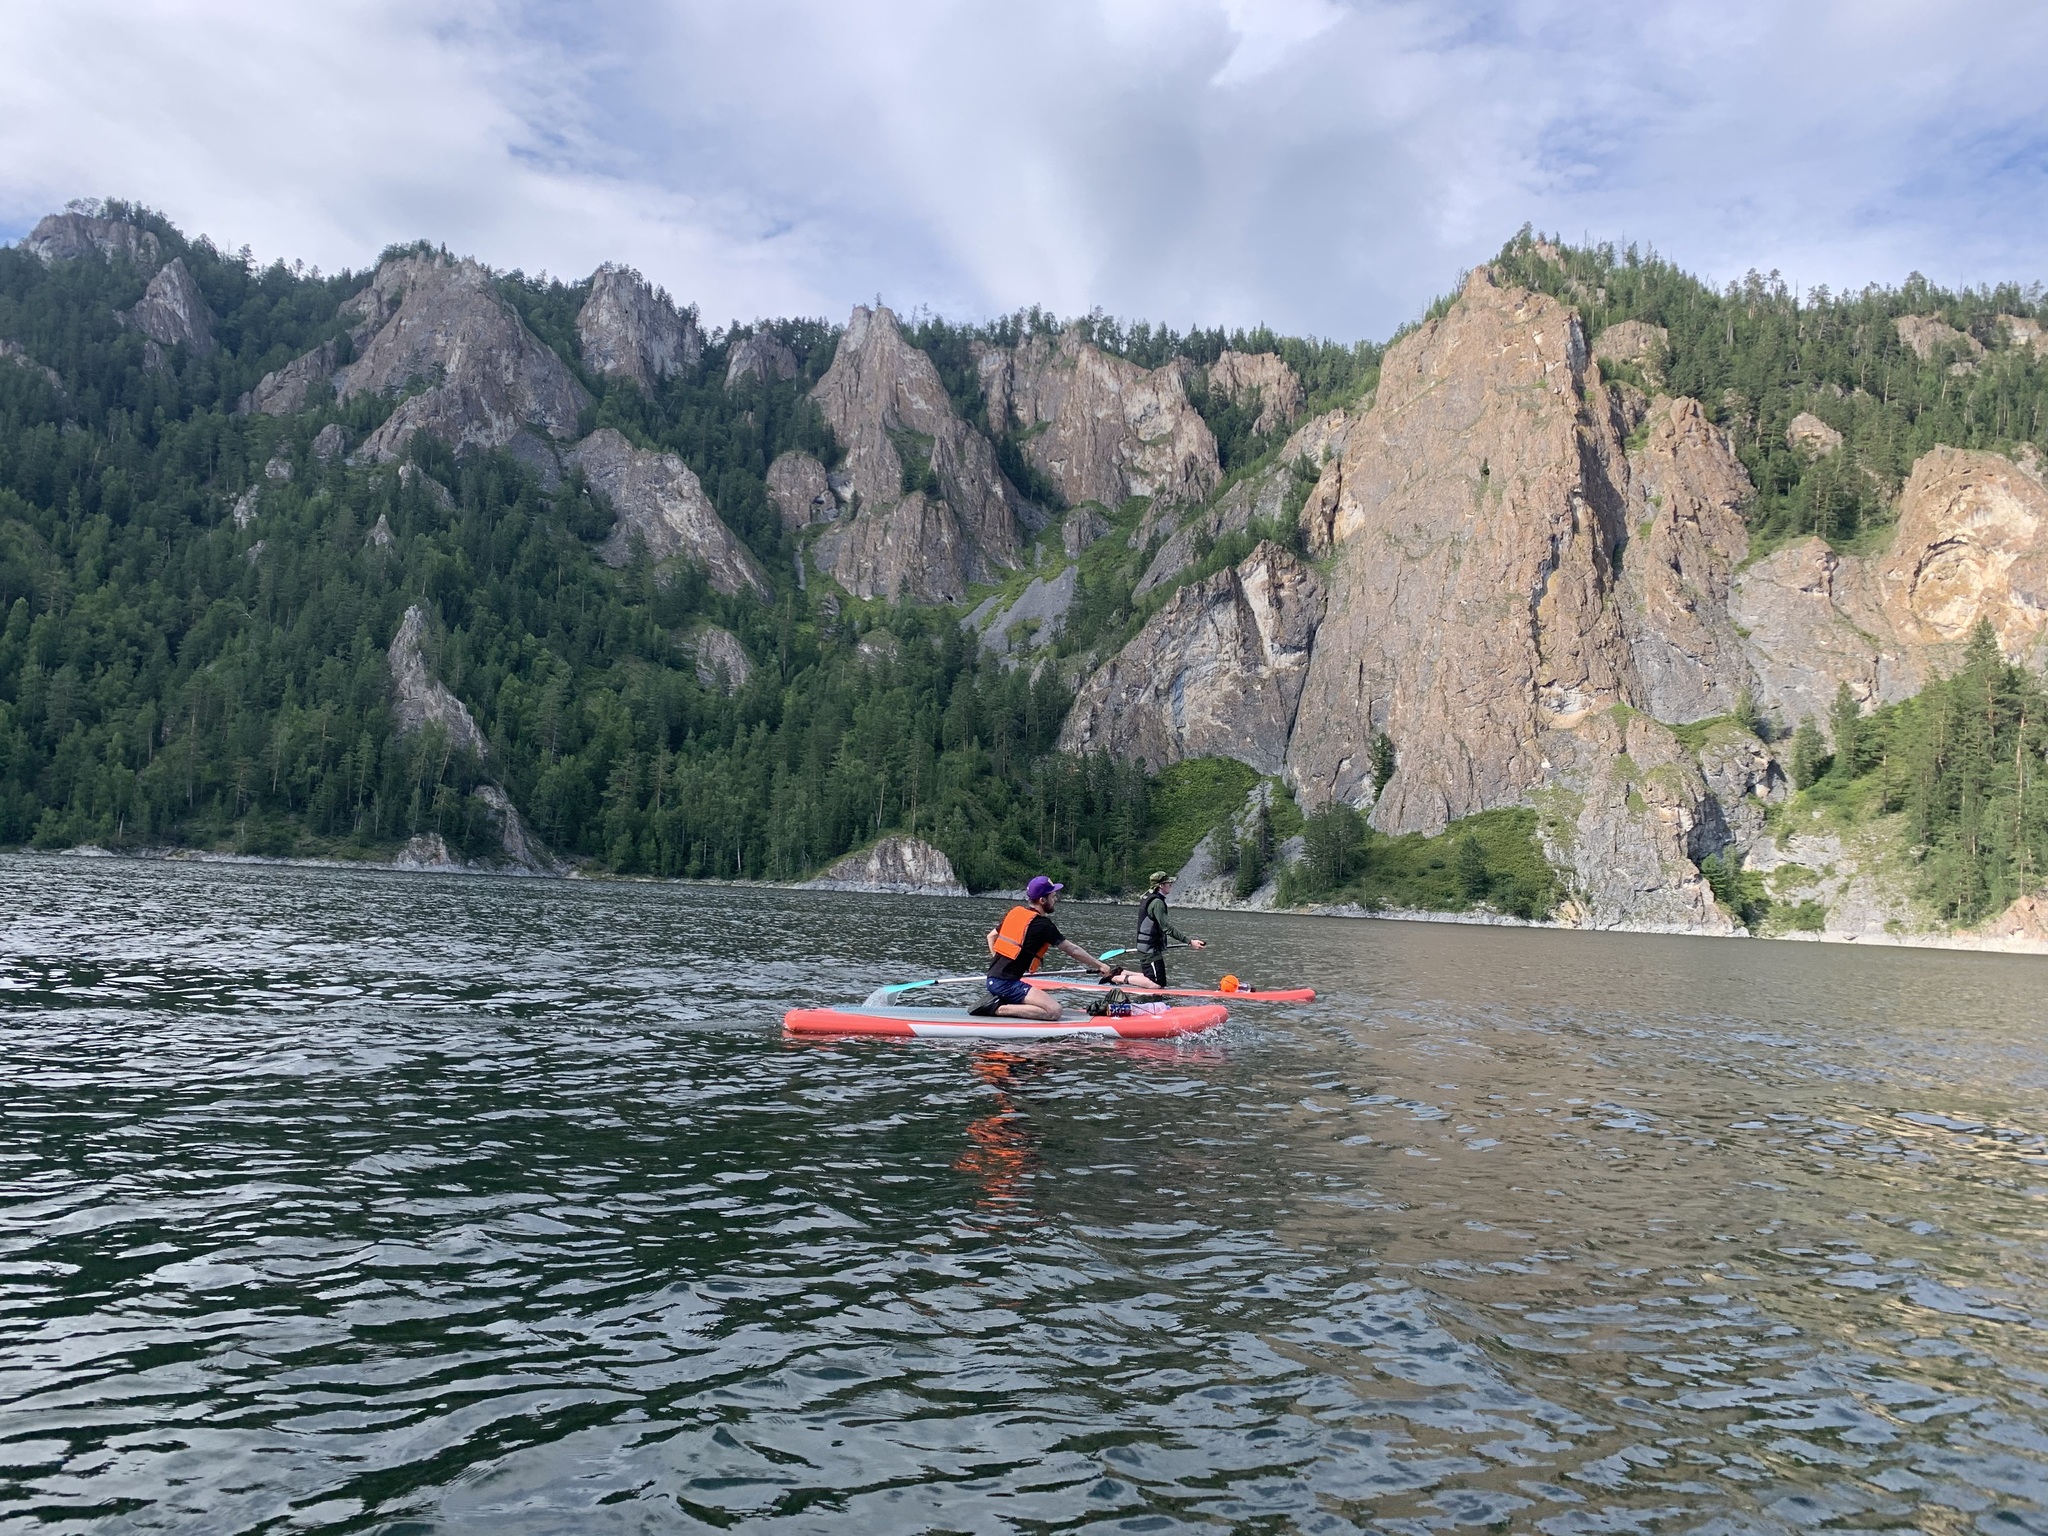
(1327, 165)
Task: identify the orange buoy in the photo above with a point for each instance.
(1228, 984)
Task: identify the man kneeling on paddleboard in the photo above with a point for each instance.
(1018, 944)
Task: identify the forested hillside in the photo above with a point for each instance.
(196, 601)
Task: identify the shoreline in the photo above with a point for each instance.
(2007, 944)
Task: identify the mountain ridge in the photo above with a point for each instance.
(1779, 538)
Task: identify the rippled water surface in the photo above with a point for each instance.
(366, 1202)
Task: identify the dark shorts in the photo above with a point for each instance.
(1004, 990)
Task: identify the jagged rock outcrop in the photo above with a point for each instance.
(1809, 435)
(380, 536)
(1264, 376)
(1082, 526)
(172, 311)
(68, 236)
(1637, 342)
(801, 490)
(896, 866)
(957, 523)
(411, 476)
(1218, 671)
(1470, 602)
(763, 356)
(1928, 338)
(659, 502)
(2025, 332)
(1687, 493)
(719, 659)
(330, 442)
(1971, 542)
(1099, 427)
(418, 697)
(629, 329)
(426, 319)
(285, 391)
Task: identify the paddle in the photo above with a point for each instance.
(1242, 995)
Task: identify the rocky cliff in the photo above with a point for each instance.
(1218, 672)
(173, 312)
(68, 236)
(898, 866)
(932, 512)
(628, 329)
(659, 505)
(419, 698)
(1262, 378)
(439, 325)
(1099, 427)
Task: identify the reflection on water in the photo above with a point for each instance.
(361, 1202)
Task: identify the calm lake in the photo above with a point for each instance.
(357, 1201)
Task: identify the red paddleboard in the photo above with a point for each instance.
(959, 1024)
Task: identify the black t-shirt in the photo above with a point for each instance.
(1041, 935)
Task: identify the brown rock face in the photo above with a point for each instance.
(1262, 497)
(173, 311)
(660, 503)
(1264, 376)
(628, 329)
(884, 400)
(1809, 435)
(1928, 337)
(1634, 341)
(1099, 427)
(1218, 671)
(68, 236)
(759, 356)
(2025, 331)
(1971, 542)
(1687, 491)
(1470, 609)
(427, 318)
(801, 491)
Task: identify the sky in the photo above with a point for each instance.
(1323, 166)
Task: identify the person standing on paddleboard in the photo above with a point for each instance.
(1018, 944)
(1155, 928)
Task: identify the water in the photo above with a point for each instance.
(362, 1202)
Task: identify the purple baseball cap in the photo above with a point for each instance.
(1040, 886)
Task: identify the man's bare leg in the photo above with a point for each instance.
(1037, 1004)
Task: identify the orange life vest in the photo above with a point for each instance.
(1008, 940)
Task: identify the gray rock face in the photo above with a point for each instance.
(720, 660)
(1265, 377)
(410, 475)
(883, 399)
(801, 490)
(1033, 620)
(1634, 341)
(522, 850)
(897, 866)
(380, 535)
(629, 329)
(243, 512)
(761, 356)
(427, 319)
(1218, 671)
(1099, 427)
(1080, 528)
(13, 352)
(418, 697)
(173, 312)
(284, 391)
(1623, 811)
(68, 236)
(660, 502)
(1687, 492)
(330, 442)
